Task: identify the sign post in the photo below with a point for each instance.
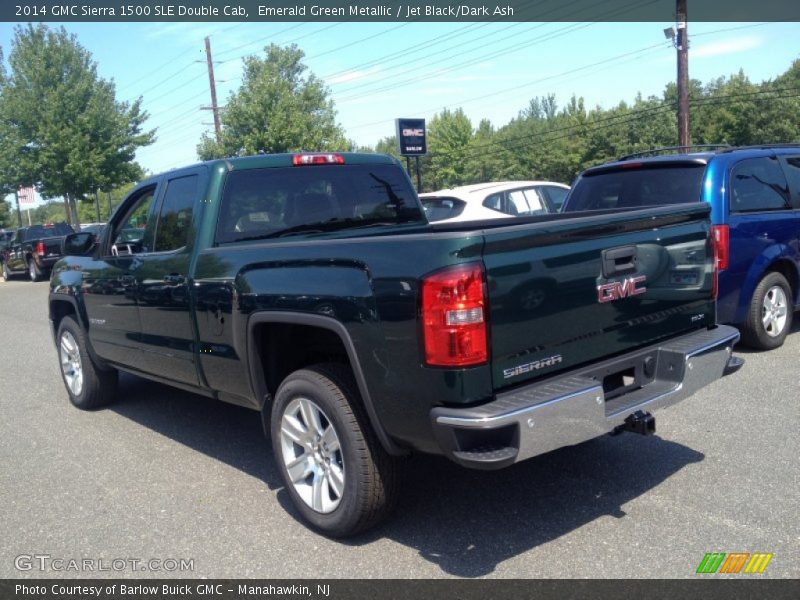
(411, 142)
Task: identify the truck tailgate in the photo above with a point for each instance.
(570, 291)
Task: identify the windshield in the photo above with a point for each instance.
(654, 185)
(263, 203)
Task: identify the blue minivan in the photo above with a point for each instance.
(754, 193)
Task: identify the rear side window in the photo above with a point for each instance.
(758, 184)
(438, 209)
(265, 203)
(519, 203)
(175, 216)
(636, 187)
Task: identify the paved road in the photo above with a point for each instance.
(165, 474)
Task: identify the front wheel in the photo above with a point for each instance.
(6, 272)
(337, 474)
(88, 385)
(769, 317)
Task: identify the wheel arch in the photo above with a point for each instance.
(267, 372)
(777, 259)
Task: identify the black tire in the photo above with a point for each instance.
(98, 385)
(34, 272)
(754, 332)
(6, 273)
(370, 475)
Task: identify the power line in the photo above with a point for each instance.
(644, 50)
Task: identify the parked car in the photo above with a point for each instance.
(34, 250)
(754, 194)
(6, 237)
(500, 200)
(361, 332)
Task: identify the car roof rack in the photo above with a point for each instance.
(763, 146)
(674, 149)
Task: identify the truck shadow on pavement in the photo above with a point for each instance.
(466, 522)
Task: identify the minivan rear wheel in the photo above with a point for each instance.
(769, 317)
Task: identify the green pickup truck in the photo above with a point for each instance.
(311, 288)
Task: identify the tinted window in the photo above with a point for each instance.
(438, 209)
(758, 184)
(637, 187)
(556, 195)
(135, 233)
(37, 232)
(261, 203)
(793, 172)
(175, 217)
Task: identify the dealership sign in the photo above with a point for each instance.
(411, 137)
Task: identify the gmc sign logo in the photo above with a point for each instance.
(413, 132)
(616, 290)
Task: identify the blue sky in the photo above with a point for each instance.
(379, 71)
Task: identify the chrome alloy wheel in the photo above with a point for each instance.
(774, 311)
(312, 455)
(71, 363)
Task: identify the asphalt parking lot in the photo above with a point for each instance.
(164, 474)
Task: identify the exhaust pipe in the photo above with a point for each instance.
(639, 422)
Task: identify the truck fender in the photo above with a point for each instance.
(258, 382)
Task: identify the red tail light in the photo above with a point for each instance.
(300, 160)
(40, 249)
(722, 244)
(721, 238)
(453, 317)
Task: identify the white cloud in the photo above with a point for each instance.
(722, 47)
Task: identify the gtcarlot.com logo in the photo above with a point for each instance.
(734, 562)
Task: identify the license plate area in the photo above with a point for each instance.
(626, 375)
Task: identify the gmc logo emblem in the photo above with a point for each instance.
(616, 290)
(413, 132)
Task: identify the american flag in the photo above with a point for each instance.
(27, 197)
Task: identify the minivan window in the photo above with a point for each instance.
(637, 186)
(758, 184)
(277, 202)
(793, 173)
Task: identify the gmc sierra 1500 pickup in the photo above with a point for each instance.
(311, 288)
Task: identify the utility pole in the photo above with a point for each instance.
(682, 44)
(213, 85)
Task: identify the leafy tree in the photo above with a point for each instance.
(7, 218)
(278, 108)
(449, 137)
(61, 128)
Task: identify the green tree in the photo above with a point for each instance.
(7, 217)
(449, 137)
(278, 108)
(62, 129)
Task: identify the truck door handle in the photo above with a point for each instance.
(617, 261)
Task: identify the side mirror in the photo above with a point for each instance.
(79, 244)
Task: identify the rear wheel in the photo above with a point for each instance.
(6, 272)
(33, 270)
(769, 316)
(88, 385)
(337, 474)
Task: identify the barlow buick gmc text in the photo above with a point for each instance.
(311, 288)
